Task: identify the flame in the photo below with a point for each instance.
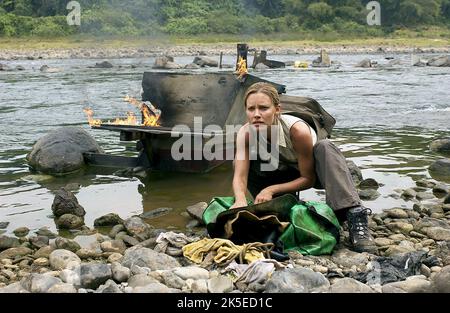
(130, 120)
(90, 116)
(151, 113)
(241, 68)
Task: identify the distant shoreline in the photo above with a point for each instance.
(33, 49)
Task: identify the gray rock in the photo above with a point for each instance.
(12, 253)
(441, 167)
(104, 64)
(61, 151)
(65, 202)
(8, 242)
(437, 233)
(424, 196)
(148, 258)
(44, 252)
(69, 221)
(109, 287)
(261, 66)
(396, 213)
(39, 241)
(347, 258)
(46, 232)
(155, 287)
(409, 193)
(196, 211)
(440, 61)
(366, 63)
(93, 275)
(21, 231)
(447, 200)
(412, 284)
(131, 241)
(440, 145)
(425, 183)
(115, 230)
(369, 183)
(160, 62)
(67, 244)
(368, 194)
(430, 222)
(135, 226)
(172, 66)
(62, 288)
(297, 280)
(400, 227)
(322, 61)
(441, 280)
(120, 273)
(192, 66)
(382, 242)
(62, 259)
(110, 219)
(204, 61)
(141, 280)
(71, 276)
(200, 286)
(191, 272)
(172, 281)
(441, 189)
(38, 283)
(117, 246)
(14, 288)
(220, 284)
(155, 213)
(4, 225)
(89, 242)
(115, 257)
(349, 285)
(84, 254)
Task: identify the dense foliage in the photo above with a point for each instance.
(192, 17)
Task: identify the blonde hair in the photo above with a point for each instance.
(264, 88)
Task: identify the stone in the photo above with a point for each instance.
(437, 233)
(21, 231)
(424, 196)
(349, 285)
(115, 257)
(447, 199)
(46, 232)
(69, 221)
(4, 225)
(400, 227)
(116, 246)
(65, 202)
(41, 262)
(92, 275)
(196, 211)
(90, 242)
(297, 280)
(430, 222)
(109, 287)
(155, 213)
(204, 61)
(381, 242)
(355, 172)
(71, 277)
(12, 253)
(39, 241)
(62, 259)
(191, 66)
(441, 190)
(67, 244)
(441, 280)
(322, 61)
(84, 254)
(369, 183)
(131, 241)
(115, 230)
(347, 258)
(120, 273)
(61, 151)
(62, 288)
(155, 287)
(441, 167)
(199, 286)
(141, 280)
(172, 281)
(191, 272)
(104, 64)
(148, 258)
(368, 194)
(135, 226)
(366, 63)
(14, 288)
(220, 284)
(409, 193)
(412, 284)
(439, 61)
(44, 252)
(110, 219)
(396, 213)
(38, 283)
(8, 242)
(425, 183)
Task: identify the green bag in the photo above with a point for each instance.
(314, 229)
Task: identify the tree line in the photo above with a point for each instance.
(193, 17)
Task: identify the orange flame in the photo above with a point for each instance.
(150, 113)
(90, 116)
(241, 68)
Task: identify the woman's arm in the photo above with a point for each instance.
(302, 142)
(241, 168)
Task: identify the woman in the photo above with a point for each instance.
(303, 162)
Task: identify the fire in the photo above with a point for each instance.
(130, 120)
(241, 68)
(150, 113)
(90, 116)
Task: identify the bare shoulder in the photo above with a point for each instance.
(300, 132)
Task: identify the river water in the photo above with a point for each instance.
(386, 118)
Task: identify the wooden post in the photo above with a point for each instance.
(242, 51)
(220, 61)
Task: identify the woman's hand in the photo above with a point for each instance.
(239, 204)
(265, 195)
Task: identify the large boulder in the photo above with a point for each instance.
(61, 151)
(441, 167)
(65, 202)
(440, 145)
(439, 61)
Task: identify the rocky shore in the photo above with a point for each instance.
(134, 257)
(193, 50)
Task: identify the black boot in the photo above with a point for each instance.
(360, 238)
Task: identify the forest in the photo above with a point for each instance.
(47, 18)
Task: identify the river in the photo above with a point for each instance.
(386, 118)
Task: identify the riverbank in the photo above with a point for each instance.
(131, 256)
(75, 48)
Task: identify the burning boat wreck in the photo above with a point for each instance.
(200, 107)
